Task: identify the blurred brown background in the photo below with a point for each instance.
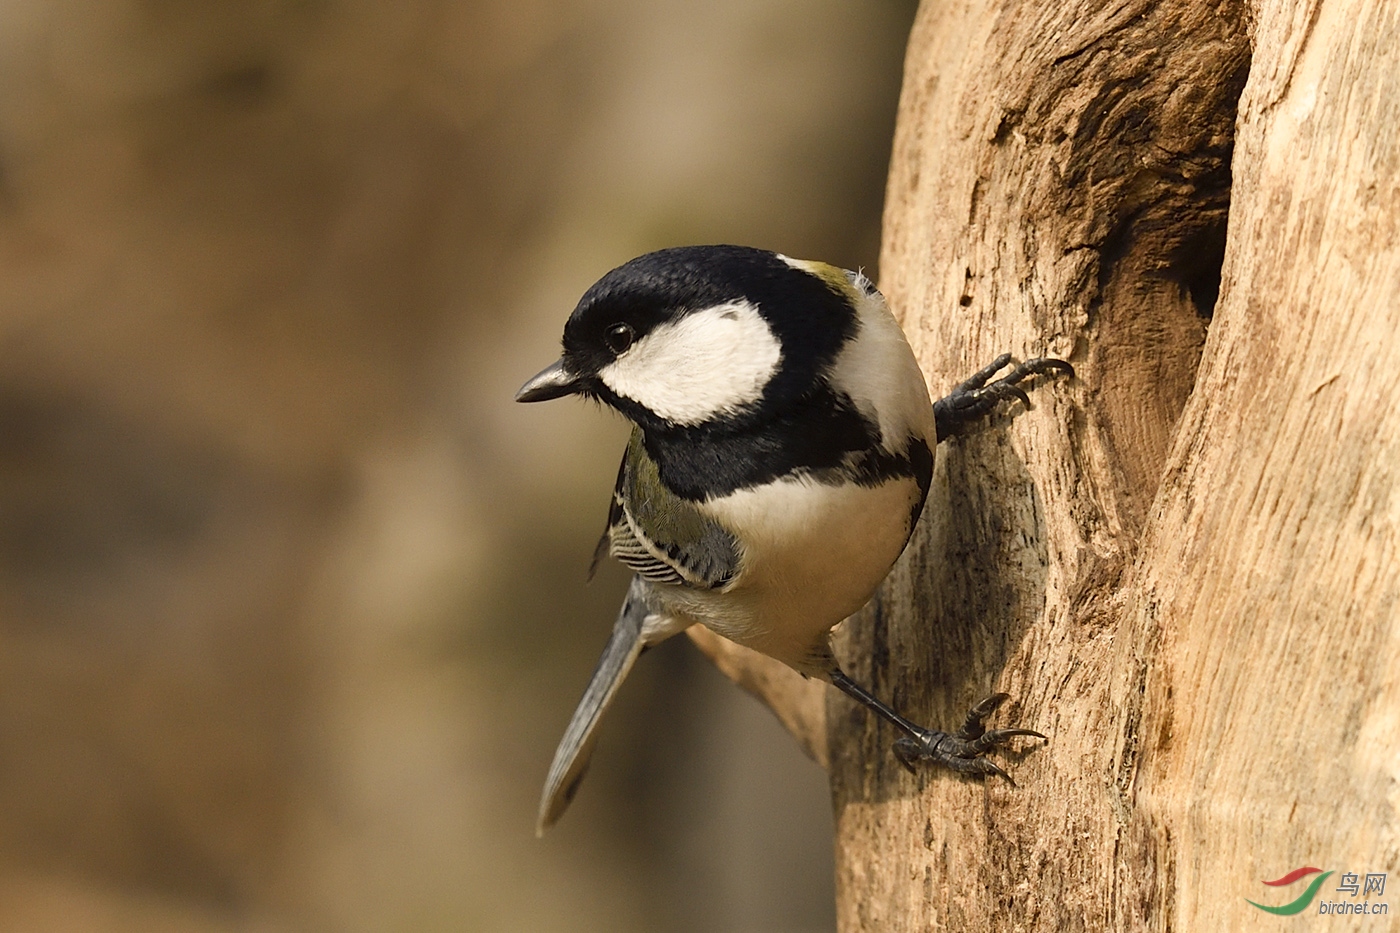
(292, 609)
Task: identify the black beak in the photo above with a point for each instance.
(552, 382)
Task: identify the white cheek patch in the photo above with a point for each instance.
(710, 362)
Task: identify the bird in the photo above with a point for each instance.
(782, 447)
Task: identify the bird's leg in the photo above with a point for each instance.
(974, 397)
(960, 751)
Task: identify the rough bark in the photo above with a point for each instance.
(1182, 566)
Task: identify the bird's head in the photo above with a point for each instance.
(703, 337)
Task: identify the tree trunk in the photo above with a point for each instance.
(1184, 566)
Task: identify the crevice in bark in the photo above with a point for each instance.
(1197, 264)
(1196, 260)
(1159, 266)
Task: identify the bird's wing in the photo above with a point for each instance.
(576, 747)
(659, 535)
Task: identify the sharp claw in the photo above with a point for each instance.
(988, 705)
(975, 397)
(990, 740)
(1045, 364)
(972, 726)
(1001, 735)
(993, 769)
(962, 752)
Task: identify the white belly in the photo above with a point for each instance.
(813, 555)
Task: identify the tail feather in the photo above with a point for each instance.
(576, 747)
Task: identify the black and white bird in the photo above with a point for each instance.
(782, 449)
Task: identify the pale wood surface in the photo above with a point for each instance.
(1182, 566)
(1271, 571)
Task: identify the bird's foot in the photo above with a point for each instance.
(962, 750)
(976, 396)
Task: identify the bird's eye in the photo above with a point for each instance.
(619, 337)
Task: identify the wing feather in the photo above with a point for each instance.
(662, 537)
